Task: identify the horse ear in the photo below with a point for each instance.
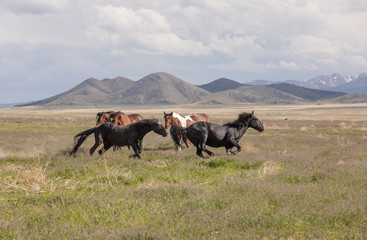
(171, 113)
(252, 112)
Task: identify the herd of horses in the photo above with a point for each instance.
(118, 129)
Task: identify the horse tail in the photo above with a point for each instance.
(80, 137)
(177, 133)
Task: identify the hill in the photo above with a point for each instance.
(251, 94)
(157, 88)
(163, 88)
(89, 92)
(306, 93)
(220, 84)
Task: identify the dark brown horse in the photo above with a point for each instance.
(173, 118)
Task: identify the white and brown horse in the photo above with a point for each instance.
(173, 118)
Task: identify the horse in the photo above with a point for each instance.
(184, 121)
(203, 134)
(120, 118)
(135, 117)
(173, 118)
(103, 117)
(110, 134)
(178, 136)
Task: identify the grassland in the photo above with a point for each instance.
(304, 177)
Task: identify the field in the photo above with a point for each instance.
(304, 177)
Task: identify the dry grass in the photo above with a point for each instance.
(302, 178)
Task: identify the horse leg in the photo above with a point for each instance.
(186, 140)
(139, 145)
(199, 151)
(116, 148)
(136, 150)
(105, 148)
(228, 151)
(234, 143)
(202, 146)
(95, 146)
(210, 153)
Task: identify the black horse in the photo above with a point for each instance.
(203, 134)
(129, 135)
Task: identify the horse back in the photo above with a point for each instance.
(200, 117)
(135, 117)
(123, 119)
(203, 117)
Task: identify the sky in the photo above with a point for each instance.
(50, 46)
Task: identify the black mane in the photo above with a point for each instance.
(235, 124)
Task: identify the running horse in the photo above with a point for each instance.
(172, 119)
(118, 118)
(203, 134)
(110, 134)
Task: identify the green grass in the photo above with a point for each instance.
(300, 179)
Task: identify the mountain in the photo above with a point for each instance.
(306, 93)
(325, 82)
(89, 92)
(157, 88)
(357, 85)
(220, 84)
(163, 88)
(260, 82)
(251, 94)
(279, 93)
(335, 82)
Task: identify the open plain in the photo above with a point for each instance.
(304, 177)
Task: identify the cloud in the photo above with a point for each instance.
(143, 30)
(48, 41)
(34, 6)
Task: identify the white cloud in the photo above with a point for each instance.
(200, 39)
(146, 31)
(34, 6)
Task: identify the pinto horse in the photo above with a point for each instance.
(114, 135)
(173, 118)
(203, 134)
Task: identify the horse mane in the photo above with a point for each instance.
(235, 124)
(239, 122)
(150, 121)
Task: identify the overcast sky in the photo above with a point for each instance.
(50, 46)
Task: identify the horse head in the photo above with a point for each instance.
(158, 128)
(168, 119)
(251, 120)
(101, 118)
(113, 117)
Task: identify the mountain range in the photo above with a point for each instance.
(164, 89)
(335, 82)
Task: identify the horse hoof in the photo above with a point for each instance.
(135, 156)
